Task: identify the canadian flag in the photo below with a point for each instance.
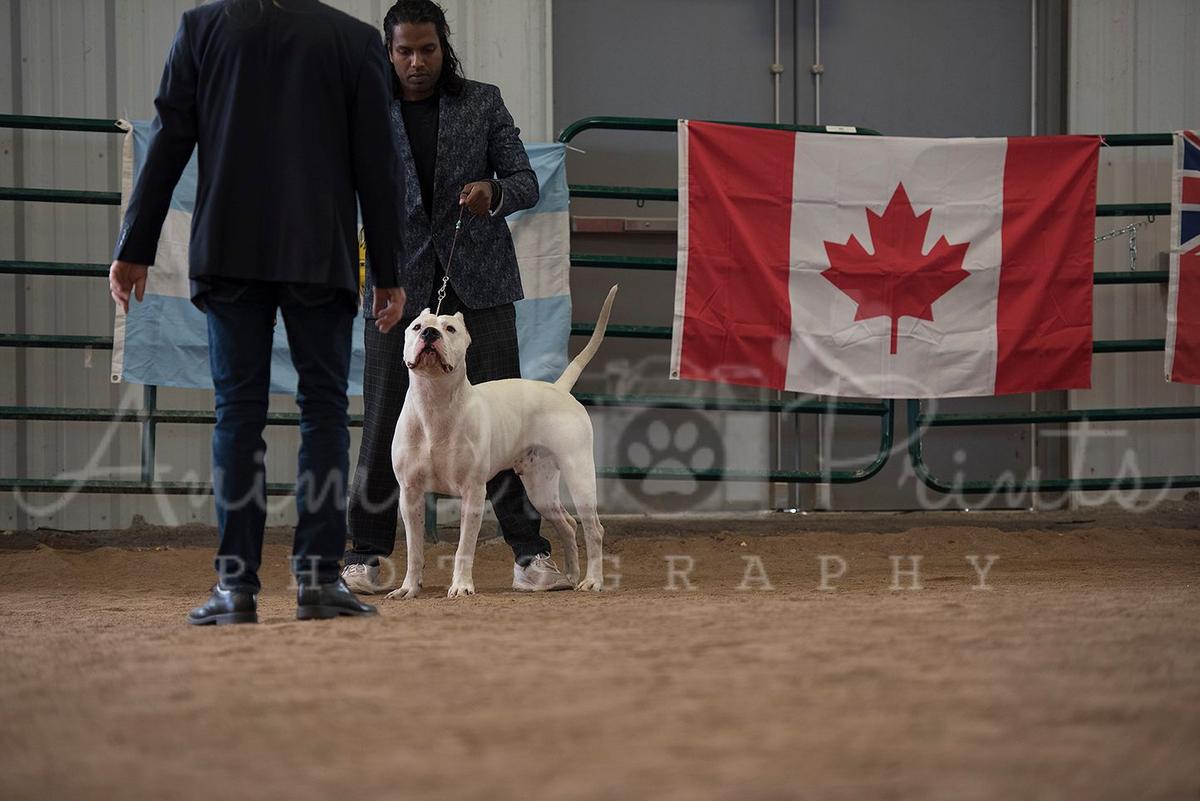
(1183, 298)
(884, 267)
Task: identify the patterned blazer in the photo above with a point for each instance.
(476, 141)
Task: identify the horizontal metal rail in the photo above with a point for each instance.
(1137, 139)
(1128, 345)
(669, 264)
(641, 193)
(660, 193)
(664, 332)
(672, 124)
(1132, 209)
(806, 405)
(61, 196)
(624, 262)
(58, 341)
(101, 486)
(62, 269)
(66, 342)
(623, 331)
(65, 269)
(1131, 277)
(670, 195)
(800, 404)
(38, 123)
(1132, 414)
(917, 423)
(655, 193)
(62, 414)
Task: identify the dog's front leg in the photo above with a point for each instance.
(463, 583)
(412, 511)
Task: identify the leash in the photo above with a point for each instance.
(446, 278)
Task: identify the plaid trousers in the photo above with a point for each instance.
(374, 494)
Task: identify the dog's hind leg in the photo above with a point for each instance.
(540, 475)
(580, 475)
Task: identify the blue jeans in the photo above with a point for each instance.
(241, 319)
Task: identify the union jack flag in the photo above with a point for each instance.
(1183, 302)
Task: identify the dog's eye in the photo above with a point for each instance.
(451, 329)
(416, 327)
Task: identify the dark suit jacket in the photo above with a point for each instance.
(290, 117)
(476, 141)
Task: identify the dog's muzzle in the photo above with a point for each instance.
(428, 348)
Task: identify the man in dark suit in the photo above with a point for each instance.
(286, 102)
(458, 150)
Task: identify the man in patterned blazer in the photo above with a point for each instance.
(460, 155)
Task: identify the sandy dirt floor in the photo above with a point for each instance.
(1076, 675)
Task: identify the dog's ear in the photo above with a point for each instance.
(426, 311)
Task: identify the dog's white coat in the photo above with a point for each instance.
(453, 436)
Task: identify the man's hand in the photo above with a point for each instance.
(477, 197)
(124, 276)
(388, 305)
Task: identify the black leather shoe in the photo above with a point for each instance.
(226, 606)
(329, 600)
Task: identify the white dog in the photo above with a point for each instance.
(452, 437)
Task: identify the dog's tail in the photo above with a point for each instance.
(567, 380)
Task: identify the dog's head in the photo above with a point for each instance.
(436, 345)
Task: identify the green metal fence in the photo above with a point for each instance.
(150, 416)
(919, 422)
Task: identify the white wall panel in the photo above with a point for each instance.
(507, 43)
(1131, 69)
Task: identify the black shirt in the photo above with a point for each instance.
(421, 125)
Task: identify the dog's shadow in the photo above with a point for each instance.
(437, 592)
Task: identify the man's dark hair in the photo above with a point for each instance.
(417, 12)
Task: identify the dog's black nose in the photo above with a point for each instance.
(430, 334)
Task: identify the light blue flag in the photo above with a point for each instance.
(164, 339)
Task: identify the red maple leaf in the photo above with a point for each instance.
(897, 280)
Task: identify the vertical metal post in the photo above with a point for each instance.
(150, 405)
(776, 67)
(1033, 129)
(20, 357)
(818, 68)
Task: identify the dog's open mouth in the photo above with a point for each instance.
(430, 356)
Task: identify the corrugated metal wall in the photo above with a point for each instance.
(1132, 68)
(934, 68)
(103, 59)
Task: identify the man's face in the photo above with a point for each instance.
(416, 56)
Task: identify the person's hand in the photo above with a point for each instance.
(124, 276)
(477, 197)
(388, 305)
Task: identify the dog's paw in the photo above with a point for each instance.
(405, 593)
(461, 589)
(590, 585)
